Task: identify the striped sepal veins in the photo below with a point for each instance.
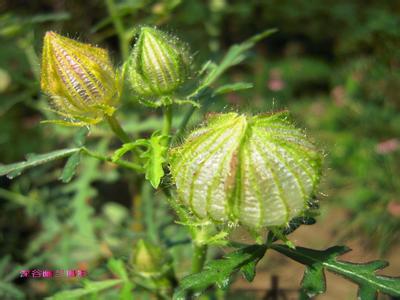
(256, 171)
(79, 78)
(158, 64)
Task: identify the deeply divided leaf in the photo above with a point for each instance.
(90, 287)
(234, 56)
(154, 159)
(70, 167)
(33, 160)
(362, 274)
(234, 87)
(220, 271)
(153, 156)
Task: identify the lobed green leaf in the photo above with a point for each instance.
(362, 274)
(234, 56)
(220, 271)
(70, 167)
(33, 160)
(155, 158)
(234, 87)
(89, 288)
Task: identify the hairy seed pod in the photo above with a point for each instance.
(158, 64)
(79, 78)
(256, 171)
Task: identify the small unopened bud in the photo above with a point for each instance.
(256, 171)
(158, 64)
(79, 78)
(148, 259)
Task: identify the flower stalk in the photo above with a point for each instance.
(167, 123)
(199, 257)
(117, 129)
(119, 28)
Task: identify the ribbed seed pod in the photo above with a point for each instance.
(256, 171)
(158, 64)
(79, 78)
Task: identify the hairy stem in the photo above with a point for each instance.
(120, 162)
(184, 122)
(167, 121)
(117, 129)
(119, 28)
(199, 257)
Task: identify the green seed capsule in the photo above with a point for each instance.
(257, 171)
(158, 64)
(79, 78)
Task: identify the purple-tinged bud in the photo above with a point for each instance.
(79, 78)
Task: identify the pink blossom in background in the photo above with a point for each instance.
(318, 108)
(393, 208)
(275, 82)
(233, 98)
(338, 95)
(387, 146)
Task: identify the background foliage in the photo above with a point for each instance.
(335, 64)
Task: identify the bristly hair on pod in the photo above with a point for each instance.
(258, 171)
(80, 80)
(159, 63)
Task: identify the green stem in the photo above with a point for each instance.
(167, 121)
(120, 162)
(119, 28)
(184, 122)
(15, 197)
(117, 129)
(148, 207)
(27, 46)
(199, 257)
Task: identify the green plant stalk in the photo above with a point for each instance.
(167, 121)
(120, 162)
(185, 121)
(148, 214)
(15, 197)
(199, 257)
(33, 60)
(188, 115)
(199, 250)
(117, 129)
(119, 28)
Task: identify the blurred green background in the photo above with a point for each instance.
(334, 64)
